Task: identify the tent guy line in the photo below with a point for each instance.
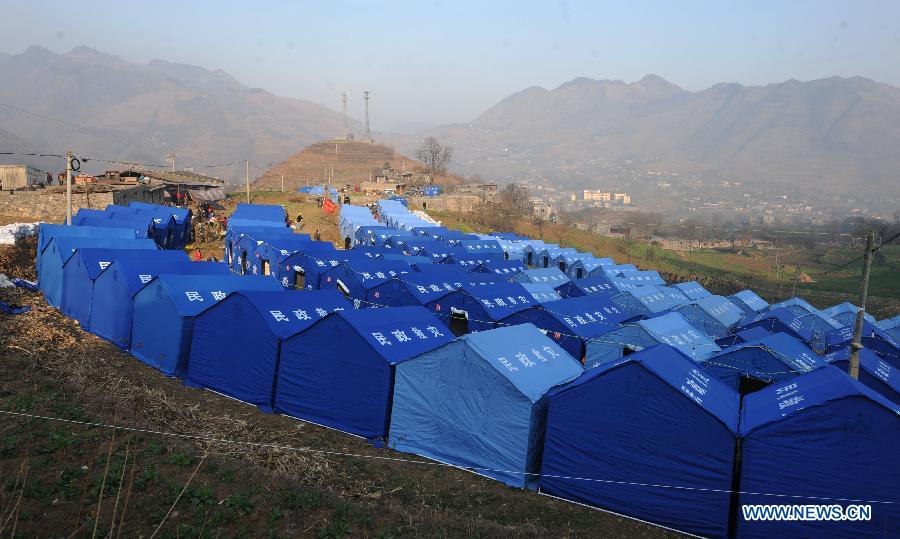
(427, 463)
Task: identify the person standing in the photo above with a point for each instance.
(317, 236)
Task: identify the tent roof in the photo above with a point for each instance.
(652, 298)
(288, 312)
(138, 272)
(503, 267)
(551, 276)
(531, 361)
(259, 212)
(870, 362)
(845, 308)
(674, 330)
(808, 390)
(398, 333)
(180, 214)
(784, 348)
(542, 293)
(692, 289)
(751, 299)
(49, 231)
(68, 245)
(644, 277)
(586, 316)
(96, 259)
(500, 300)
(798, 302)
(683, 375)
(192, 294)
(243, 221)
(720, 308)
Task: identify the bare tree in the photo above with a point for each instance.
(435, 155)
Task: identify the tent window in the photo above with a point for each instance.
(266, 269)
(562, 266)
(244, 263)
(579, 273)
(505, 255)
(545, 262)
(751, 385)
(299, 280)
(424, 205)
(347, 243)
(529, 258)
(459, 322)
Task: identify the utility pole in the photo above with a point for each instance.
(796, 278)
(248, 181)
(282, 183)
(172, 156)
(69, 188)
(856, 345)
(366, 97)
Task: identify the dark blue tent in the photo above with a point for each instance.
(60, 249)
(371, 235)
(672, 329)
(237, 343)
(340, 372)
(479, 402)
(47, 232)
(588, 267)
(714, 315)
(166, 233)
(845, 314)
(261, 233)
(260, 212)
(487, 249)
(235, 222)
(505, 268)
(182, 219)
(271, 254)
(676, 296)
(648, 277)
(651, 436)
(479, 307)
(112, 303)
(164, 312)
(420, 288)
(742, 337)
(692, 289)
(550, 276)
(820, 438)
(873, 337)
(752, 365)
(874, 372)
(355, 277)
(598, 285)
(809, 328)
(749, 302)
(542, 293)
(304, 268)
(643, 301)
(85, 264)
(390, 237)
(467, 260)
(570, 322)
(142, 225)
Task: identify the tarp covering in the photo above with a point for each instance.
(713, 315)
(483, 306)
(845, 314)
(112, 303)
(83, 267)
(164, 312)
(260, 212)
(479, 401)
(598, 285)
(349, 386)
(692, 289)
(236, 343)
(822, 436)
(551, 276)
(652, 418)
(570, 322)
(772, 358)
(874, 372)
(749, 301)
(212, 194)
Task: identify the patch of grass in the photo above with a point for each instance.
(304, 500)
(181, 460)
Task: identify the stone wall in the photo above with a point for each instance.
(452, 203)
(49, 205)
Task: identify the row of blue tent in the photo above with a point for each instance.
(503, 373)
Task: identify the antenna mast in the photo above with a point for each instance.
(344, 129)
(368, 133)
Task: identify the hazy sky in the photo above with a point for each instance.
(444, 61)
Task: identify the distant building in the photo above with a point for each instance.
(20, 177)
(595, 195)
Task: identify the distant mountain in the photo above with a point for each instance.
(833, 135)
(100, 105)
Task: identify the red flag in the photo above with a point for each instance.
(328, 206)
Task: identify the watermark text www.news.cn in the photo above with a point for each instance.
(807, 512)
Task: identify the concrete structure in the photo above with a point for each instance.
(596, 195)
(50, 204)
(19, 177)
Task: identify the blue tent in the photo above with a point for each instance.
(260, 212)
(164, 312)
(845, 314)
(261, 233)
(798, 306)
(269, 256)
(714, 315)
(570, 322)
(85, 264)
(530, 250)
(742, 337)
(237, 343)
(672, 329)
(367, 235)
(652, 418)
(542, 293)
(182, 218)
(548, 254)
(237, 222)
(479, 402)
(47, 232)
(874, 372)
(643, 301)
(420, 288)
(598, 285)
(891, 326)
(479, 307)
(506, 268)
(112, 303)
(550, 276)
(648, 277)
(469, 261)
(304, 269)
(588, 267)
(166, 233)
(809, 328)
(340, 372)
(142, 226)
(826, 438)
(773, 358)
(873, 337)
(692, 289)
(565, 260)
(749, 302)
(676, 296)
(60, 249)
(355, 277)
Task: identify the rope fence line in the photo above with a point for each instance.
(475, 469)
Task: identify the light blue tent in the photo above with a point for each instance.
(648, 277)
(142, 225)
(588, 267)
(749, 302)
(480, 307)
(164, 312)
(47, 232)
(643, 300)
(616, 270)
(549, 253)
(480, 403)
(798, 306)
(85, 264)
(692, 289)
(60, 249)
(651, 436)
(542, 293)
(423, 287)
(598, 285)
(715, 316)
(564, 260)
(676, 296)
(845, 314)
(112, 303)
(356, 276)
(741, 337)
(874, 372)
(797, 436)
(672, 329)
(810, 328)
(260, 212)
(505, 268)
(752, 365)
(549, 276)
(349, 385)
(531, 248)
(873, 337)
(237, 343)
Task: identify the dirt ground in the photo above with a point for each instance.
(83, 480)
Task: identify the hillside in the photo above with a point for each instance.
(353, 161)
(100, 105)
(830, 136)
